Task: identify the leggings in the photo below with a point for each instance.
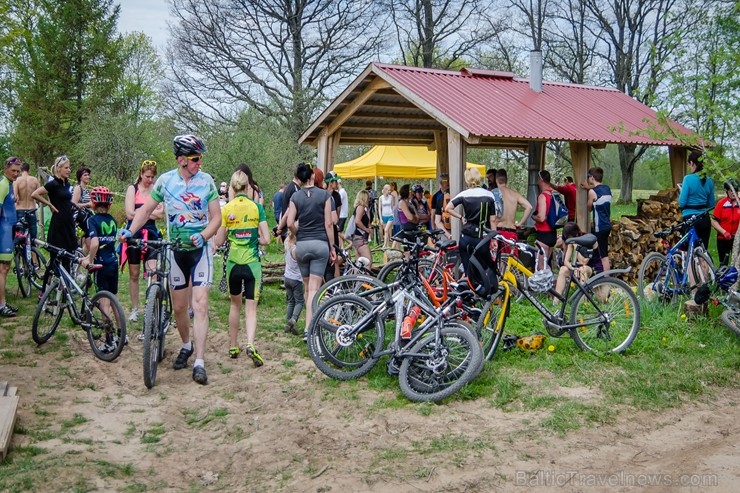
(294, 298)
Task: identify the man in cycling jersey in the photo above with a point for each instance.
(192, 210)
(7, 221)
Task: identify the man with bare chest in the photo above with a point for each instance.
(25, 206)
(511, 198)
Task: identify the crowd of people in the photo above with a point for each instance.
(311, 212)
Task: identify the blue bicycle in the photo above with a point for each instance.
(685, 267)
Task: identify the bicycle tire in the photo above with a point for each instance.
(39, 269)
(655, 279)
(151, 342)
(702, 268)
(731, 318)
(617, 300)
(486, 326)
(166, 319)
(460, 361)
(52, 303)
(389, 271)
(352, 357)
(23, 273)
(356, 284)
(106, 333)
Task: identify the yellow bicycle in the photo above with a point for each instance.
(604, 312)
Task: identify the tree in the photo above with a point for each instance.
(441, 33)
(283, 58)
(64, 62)
(138, 92)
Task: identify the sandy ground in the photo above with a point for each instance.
(283, 427)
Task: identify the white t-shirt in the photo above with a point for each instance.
(386, 205)
(343, 211)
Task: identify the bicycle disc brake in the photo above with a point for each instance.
(343, 337)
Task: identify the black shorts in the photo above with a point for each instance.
(191, 267)
(106, 279)
(603, 239)
(245, 279)
(548, 238)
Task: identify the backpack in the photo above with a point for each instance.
(350, 227)
(446, 217)
(557, 214)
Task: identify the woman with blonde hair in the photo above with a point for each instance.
(243, 221)
(61, 227)
(362, 226)
(479, 211)
(136, 195)
(387, 204)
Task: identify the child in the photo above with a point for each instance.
(293, 285)
(587, 265)
(102, 232)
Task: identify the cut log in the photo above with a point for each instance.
(8, 411)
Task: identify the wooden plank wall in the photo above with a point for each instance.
(8, 410)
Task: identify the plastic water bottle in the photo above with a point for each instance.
(409, 321)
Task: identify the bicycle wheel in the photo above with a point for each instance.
(165, 315)
(23, 273)
(702, 268)
(336, 353)
(389, 272)
(357, 284)
(38, 269)
(612, 330)
(656, 280)
(434, 370)
(105, 324)
(487, 329)
(152, 342)
(49, 313)
(731, 318)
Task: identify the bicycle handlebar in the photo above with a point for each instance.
(75, 257)
(682, 223)
(137, 242)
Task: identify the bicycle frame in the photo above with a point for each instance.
(674, 271)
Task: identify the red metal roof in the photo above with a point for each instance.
(499, 105)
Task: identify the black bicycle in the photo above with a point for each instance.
(158, 313)
(29, 262)
(101, 316)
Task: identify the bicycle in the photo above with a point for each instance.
(666, 277)
(604, 312)
(158, 313)
(723, 292)
(346, 339)
(29, 262)
(101, 316)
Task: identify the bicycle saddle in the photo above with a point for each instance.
(588, 240)
(445, 244)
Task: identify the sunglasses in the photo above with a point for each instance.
(60, 160)
(195, 159)
(147, 163)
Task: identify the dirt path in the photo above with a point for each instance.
(285, 427)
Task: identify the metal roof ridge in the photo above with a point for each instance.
(484, 72)
(570, 84)
(409, 68)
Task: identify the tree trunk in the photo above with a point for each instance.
(627, 165)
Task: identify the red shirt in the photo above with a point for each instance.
(727, 215)
(544, 226)
(569, 194)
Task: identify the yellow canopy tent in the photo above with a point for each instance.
(395, 162)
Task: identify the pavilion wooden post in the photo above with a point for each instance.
(440, 145)
(326, 149)
(677, 157)
(457, 149)
(580, 154)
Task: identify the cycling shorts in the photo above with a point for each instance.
(191, 267)
(245, 279)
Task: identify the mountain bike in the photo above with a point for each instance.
(101, 316)
(685, 267)
(604, 312)
(723, 292)
(158, 313)
(346, 338)
(29, 262)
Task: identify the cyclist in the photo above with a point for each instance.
(588, 265)
(697, 196)
(7, 221)
(243, 221)
(190, 199)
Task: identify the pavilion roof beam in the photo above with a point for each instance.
(375, 85)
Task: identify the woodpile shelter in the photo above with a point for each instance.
(448, 111)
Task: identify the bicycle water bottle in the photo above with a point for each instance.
(28, 252)
(409, 321)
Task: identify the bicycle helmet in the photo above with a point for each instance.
(727, 276)
(188, 145)
(331, 176)
(417, 188)
(101, 196)
(531, 343)
(540, 281)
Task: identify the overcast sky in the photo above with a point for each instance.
(147, 16)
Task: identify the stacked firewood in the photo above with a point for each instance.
(632, 236)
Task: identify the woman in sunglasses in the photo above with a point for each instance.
(136, 195)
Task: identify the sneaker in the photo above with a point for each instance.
(134, 316)
(182, 359)
(290, 327)
(141, 336)
(234, 352)
(305, 336)
(256, 358)
(199, 374)
(12, 308)
(7, 312)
